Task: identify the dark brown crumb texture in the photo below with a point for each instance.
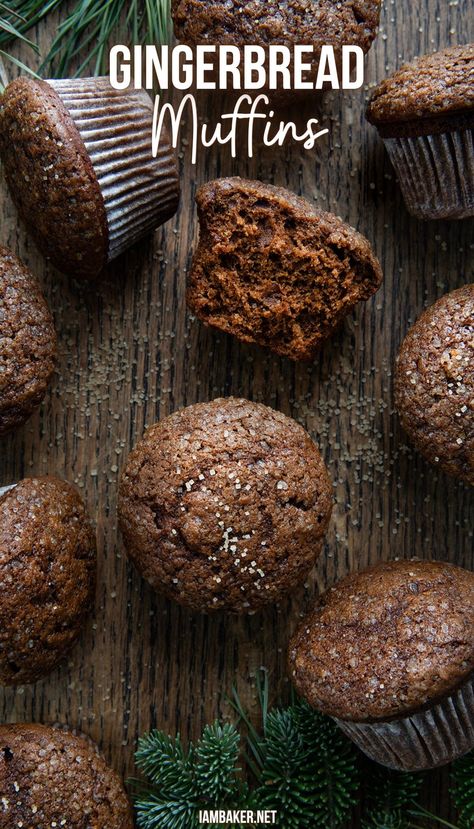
(47, 576)
(271, 269)
(51, 178)
(287, 22)
(437, 89)
(50, 777)
(387, 641)
(27, 342)
(224, 505)
(434, 383)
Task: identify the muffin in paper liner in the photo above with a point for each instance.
(424, 112)
(388, 653)
(436, 173)
(78, 160)
(426, 739)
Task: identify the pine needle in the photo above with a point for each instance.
(10, 30)
(463, 778)
(85, 35)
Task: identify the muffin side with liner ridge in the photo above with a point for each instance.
(47, 576)
(27, 343)
(425, 114)
(389, 654)
(434, 384)
(224, 505)
(78, 161)
(273, 270)
(282, 22)
(53, 777)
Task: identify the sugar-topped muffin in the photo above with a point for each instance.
(224, 505)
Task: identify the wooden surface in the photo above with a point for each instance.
(130, 354)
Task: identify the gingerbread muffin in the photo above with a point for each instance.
(47, 576)
(78, 160)
(282, 22)
(27, 343)
(53, 777)
(425, 114)
(389, 653)
(434, 384)
(271, 269)
(224, 505)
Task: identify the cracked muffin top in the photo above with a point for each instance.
(47, 576)
(239, 22)
(52, 777)
(434, 383)
(224, 505)
(430, 87)
(27, 342)
(387, 641)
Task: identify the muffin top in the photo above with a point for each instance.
(27, 342)
(51, 177)
(386, 642)
(240, 22)
(52, 777)
(434, 383)
(432, 86)
(224, 505)
(47, 576)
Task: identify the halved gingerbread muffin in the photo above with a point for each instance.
(272, 269)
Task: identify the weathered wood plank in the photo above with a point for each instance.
(129, 354)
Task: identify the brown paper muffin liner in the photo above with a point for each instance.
(424, 740)
(140, 192)
(436, 173)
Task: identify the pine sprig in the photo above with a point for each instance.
(303, 767)
(390, 790)
(463, 778)
(10, 29)
(309, 771)
(180, 784)
(85, 35)
(217, 755)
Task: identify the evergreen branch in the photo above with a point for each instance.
(93, 25)
(85, 35)
(217, 754)
(9, 21)
(25, 14)
(305, 769)
(463, 795)
(390, 791)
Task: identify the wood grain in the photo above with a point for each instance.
(130, 354)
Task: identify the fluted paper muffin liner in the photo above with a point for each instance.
(423, 740)
(140, 192)
(436, 173)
